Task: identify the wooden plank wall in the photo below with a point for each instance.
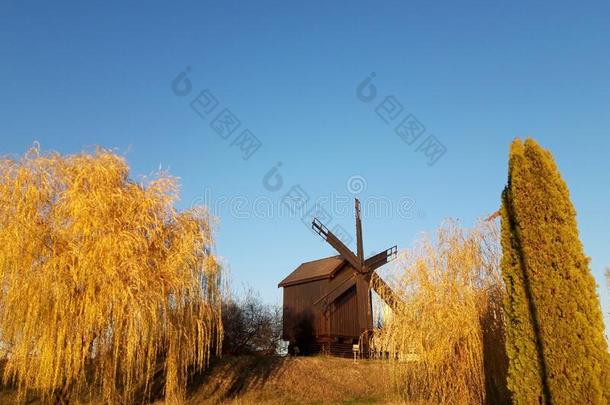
(344, 316)
(300, 314)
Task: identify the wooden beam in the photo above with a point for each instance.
(332, 240)
(378, 260)
(363, 297)
(385, 292)
(335, 293)
(360, 248)
(494, 216)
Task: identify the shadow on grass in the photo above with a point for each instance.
(229, 377)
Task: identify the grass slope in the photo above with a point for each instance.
(281, 380)
(301, 380)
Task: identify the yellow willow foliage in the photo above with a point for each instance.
(448, 330)
(103, 283)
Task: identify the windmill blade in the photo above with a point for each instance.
(339, 246)
(378, 260)
(336, 292)
(384, 291)
(363, 300)
(360, 248)
(493, 216)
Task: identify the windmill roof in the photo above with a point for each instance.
(314, 270)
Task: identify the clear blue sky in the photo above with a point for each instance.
(475, 74)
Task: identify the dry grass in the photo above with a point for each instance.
(449, 328)
(103, 282)
(300, 380)
(250, 380)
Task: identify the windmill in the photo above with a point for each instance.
(327, 302)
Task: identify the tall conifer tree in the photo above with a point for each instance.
(555, 332)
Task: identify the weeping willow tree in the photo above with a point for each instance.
(104, 285)
(448, 328)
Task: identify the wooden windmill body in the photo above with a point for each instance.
(327, 302)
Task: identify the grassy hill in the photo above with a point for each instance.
(300, 380)
(284, 380)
